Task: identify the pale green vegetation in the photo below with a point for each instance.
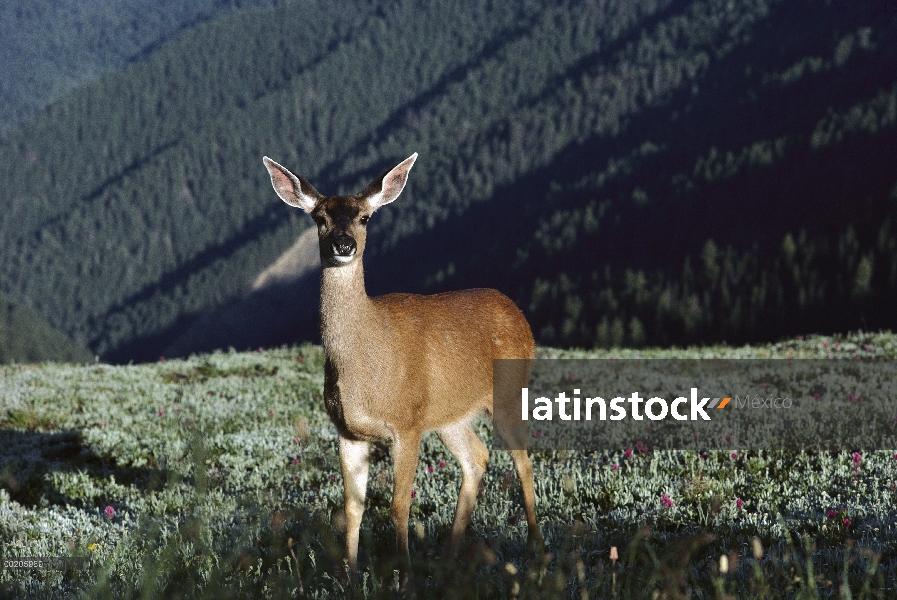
(223, 476)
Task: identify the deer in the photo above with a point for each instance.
(399, 365)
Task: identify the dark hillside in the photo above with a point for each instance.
(50, 47)
(629, 172)
(26, 338)
(783, 224)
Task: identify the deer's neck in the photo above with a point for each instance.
(346, 309)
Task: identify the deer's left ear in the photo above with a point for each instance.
(292, 189)
(388, 189)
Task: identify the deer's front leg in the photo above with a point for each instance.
(354, 459)
(405, 449)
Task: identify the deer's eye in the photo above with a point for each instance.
(364, 220)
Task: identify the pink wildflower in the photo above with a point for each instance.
(666, 501)
(109, 512)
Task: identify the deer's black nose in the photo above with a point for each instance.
(344, 245)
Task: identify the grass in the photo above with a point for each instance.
(217, 477)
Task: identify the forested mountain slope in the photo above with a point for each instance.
(629, 172)
(26, 338)
(48, 47)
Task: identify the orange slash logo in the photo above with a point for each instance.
(719, 403)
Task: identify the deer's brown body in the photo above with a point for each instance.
(403, 364)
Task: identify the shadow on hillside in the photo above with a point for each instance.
(113, 180)
(819, 190)
(284, 312)
(29, 458)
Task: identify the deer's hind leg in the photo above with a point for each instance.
(514, 438)
(466, 447)
(525, 472)
(512, 432)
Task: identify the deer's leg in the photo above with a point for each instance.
(463, 443)
(525, 472)
(514, 435)
(406, 450)
(354, 460)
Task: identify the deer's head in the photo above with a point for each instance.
(342, 220)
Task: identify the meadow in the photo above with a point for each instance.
(217, 477)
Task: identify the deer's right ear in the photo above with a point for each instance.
(293, 190)
(388, 189)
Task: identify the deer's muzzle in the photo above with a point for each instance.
(344, 246)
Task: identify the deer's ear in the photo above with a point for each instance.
(388, 189)
(293, 190)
